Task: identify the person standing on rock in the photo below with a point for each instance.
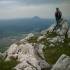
(58, 15)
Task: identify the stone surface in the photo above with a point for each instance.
(63, 63)
(41, 37)
(30, 56)
(50, 29)
(69, 33)
(27, 37)
(56, 39)
(63, 28)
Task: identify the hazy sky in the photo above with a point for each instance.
(29, 8)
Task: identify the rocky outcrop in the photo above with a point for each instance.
(41, 37)
(63, 28)
(68, 33)
(60, 29)
(50, 29)
(56, 39)
(27, 37)
(30, 56)
(63, 63)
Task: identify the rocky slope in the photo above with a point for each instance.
(29, 51)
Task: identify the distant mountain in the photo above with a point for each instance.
(36, 17)
(51, 48)
(35, 24)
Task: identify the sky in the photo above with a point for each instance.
(10, 9)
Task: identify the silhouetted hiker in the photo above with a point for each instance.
(58, 15)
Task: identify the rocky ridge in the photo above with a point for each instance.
(29, 51)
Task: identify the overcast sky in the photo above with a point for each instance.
(10, 9)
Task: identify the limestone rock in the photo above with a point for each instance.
(63, 28)
(60, 29)
(41, 37)
(56, 39)
(27, 37)
(63, 63)
(69, 33)
(50, 29)
(51, 45)
(30, 56)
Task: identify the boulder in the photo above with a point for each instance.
(30, 56)
(63, 28)
(63, 63)
(60, 29)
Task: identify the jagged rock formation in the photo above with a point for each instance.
(60, 29)
(60, 32)
(63, 63)
(27, 37)
(30, 54)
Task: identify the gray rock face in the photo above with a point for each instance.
(56, 39)
(63, 63)
(69, 33)
(63, 28)
(61, 32)
(60, 29)
(30, 56)
(27, 37)
(50, 29)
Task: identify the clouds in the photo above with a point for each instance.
(8, 3)
(33, 2)
(30, 8)
(43, 1)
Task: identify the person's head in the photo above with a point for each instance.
(57, 9)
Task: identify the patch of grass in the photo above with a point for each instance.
(33, 39)
(66, 42)
(51, 34)
(52, 54)
(7, 65)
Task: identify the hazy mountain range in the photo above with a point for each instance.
(26, 25)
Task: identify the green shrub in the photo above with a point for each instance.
(32, 39)
(52, 54)
(51, 34)
(8, 65)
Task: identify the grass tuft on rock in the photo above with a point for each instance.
(51, 34)
(52, 54)
(8, 65)
(32, 39)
